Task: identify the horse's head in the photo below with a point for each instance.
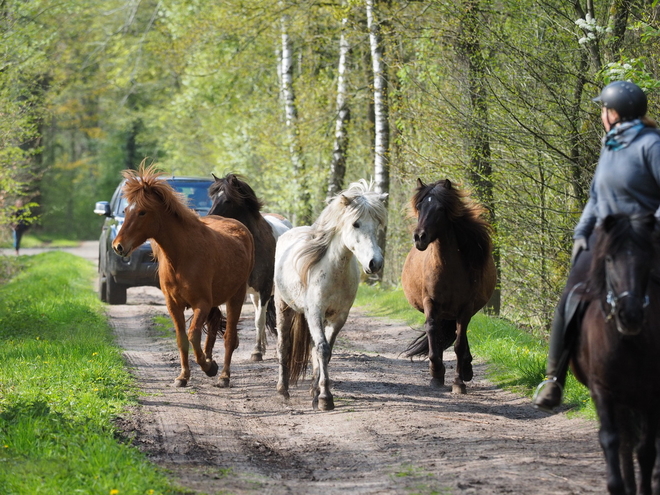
(148, 198)
(233, 197)
(621, 267)
(434, 204)
(363, 216)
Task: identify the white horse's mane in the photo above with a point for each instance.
(347, 206)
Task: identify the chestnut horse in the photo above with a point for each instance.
(618, 350)
(449, 275)
(234, 198)
(202, 263)
(316, 280)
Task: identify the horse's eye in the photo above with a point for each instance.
(608, 259)
(141, 213)
(356, 225)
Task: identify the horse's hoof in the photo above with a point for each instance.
(222, 383)
(213, 369)
(437, 383)
(467, 372)
(256, 356)
(326, 403)
(180, 382)
(284, 394)
(459, 388)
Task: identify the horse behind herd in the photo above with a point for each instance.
(303, 281)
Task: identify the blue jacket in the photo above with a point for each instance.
(627, 177)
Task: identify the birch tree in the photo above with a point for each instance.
(338, 163)
(303, 213)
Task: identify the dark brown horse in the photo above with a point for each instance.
(448, 275)
(618, 351)
(202, 263)
(234, 198)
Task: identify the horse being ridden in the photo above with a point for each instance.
(202, 263)
(618, 351)
(448, 275)
(316, 280)
(234, 198)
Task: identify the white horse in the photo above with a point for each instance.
(316, 280)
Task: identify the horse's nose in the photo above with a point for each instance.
(118, 249)
(375, 265)
(631, 316)
(421, 240)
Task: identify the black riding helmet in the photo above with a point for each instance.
(625, 97)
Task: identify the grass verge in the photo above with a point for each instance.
(516, 360)
(62, 383)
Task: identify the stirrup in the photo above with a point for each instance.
(547, 381)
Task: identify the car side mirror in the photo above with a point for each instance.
(103, 208)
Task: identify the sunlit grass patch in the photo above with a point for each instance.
(62, 384)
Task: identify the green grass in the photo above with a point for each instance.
(62, 383)
(30, 240)
(516, 360)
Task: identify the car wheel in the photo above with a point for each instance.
(115, 293)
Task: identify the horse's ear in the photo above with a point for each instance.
(214, 177)
(346, 200)
(447, 184)
(420, 184)
(383, 197)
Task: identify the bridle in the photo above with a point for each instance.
(613, 299)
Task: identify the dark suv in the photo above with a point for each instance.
(116, 273)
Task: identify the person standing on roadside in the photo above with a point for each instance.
(626, 180)
(19, 224)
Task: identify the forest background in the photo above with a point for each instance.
(304, 97)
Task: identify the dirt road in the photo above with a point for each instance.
(389, 433)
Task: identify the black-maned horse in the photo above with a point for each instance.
(618, 351)
(234, 198)
(449, 275)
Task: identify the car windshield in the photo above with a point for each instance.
(196, 193)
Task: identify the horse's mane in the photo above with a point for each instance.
(472, 230)
(346, 207)
(238, 192)
(145, 189)
(612, 235)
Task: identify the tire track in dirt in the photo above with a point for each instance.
(389, 433)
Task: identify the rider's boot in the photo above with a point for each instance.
(549, 393)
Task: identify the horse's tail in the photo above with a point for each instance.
(418, 347)
(215, 322)
(271, 317)
(301, 341)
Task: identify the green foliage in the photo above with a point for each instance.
(62, 384)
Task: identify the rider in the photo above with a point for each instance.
(626, 180)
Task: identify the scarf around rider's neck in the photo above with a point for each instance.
(622, 135)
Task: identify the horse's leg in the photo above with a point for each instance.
(646, 453)
(200, 315)
(608, 436)
(464, 371)
(284, 317)
(626, 450)
(234, 306)
(322, 398)
(260, 305)
(176, 313)
(434, 328)
(211, 337)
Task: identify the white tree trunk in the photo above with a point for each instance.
(303, 210)
(338, 164)
(381, 106)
